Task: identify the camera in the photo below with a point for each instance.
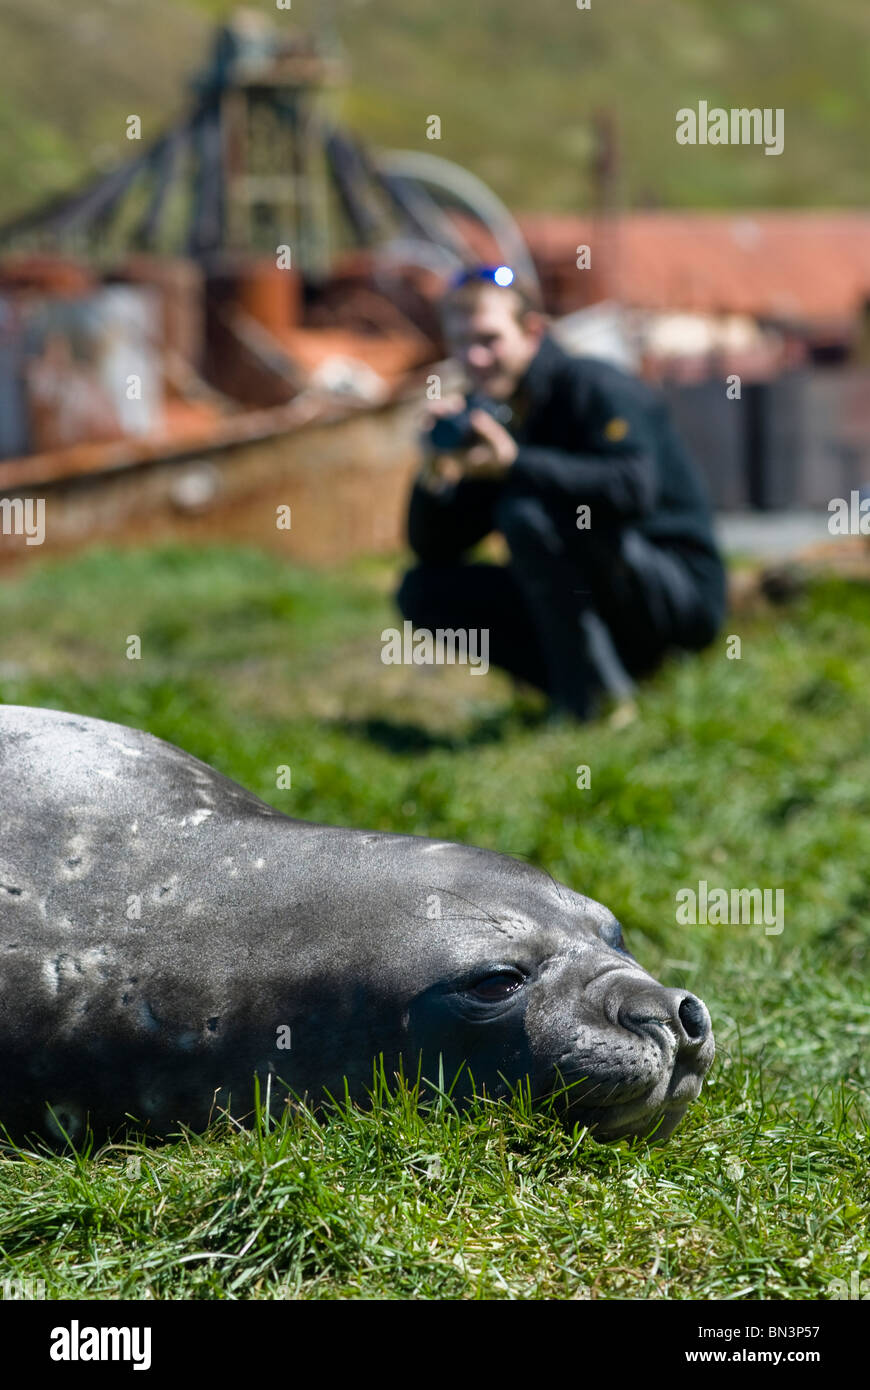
(455, 432)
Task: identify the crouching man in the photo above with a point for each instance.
(577, 465)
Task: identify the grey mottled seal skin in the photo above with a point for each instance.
(251, 923)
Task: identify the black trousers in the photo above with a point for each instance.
(574, 612)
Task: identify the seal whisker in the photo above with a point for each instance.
(486, 917)
(527, 859)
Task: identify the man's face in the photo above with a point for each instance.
(493, 347)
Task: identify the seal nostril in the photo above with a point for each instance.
(693, 1017)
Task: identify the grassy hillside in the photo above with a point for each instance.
(513, 83)
(738, 772)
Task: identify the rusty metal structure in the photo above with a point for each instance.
(260, 160)
(254, 274)
(251, 278)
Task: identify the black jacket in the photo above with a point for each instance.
(592, 434)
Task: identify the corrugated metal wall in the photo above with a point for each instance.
(796, 441)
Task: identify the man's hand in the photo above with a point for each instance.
(440, 470)
(490, 459)
(494, 456)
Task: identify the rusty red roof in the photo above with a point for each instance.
(793, 265)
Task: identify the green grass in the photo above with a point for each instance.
(749, 772)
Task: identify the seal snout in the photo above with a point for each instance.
(663, 1060)
(682, 1014)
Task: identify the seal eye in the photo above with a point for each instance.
(492, 988)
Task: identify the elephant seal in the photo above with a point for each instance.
(165, 934)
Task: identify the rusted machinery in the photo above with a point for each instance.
(253, 249)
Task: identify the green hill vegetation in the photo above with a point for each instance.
(514, 85)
